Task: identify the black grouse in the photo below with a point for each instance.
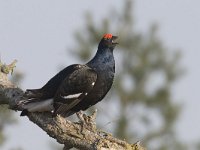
(77, 87)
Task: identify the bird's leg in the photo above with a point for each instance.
(92, 120)
(82, 120)
(80, 116)
(87, 122)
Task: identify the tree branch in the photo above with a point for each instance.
(82, 135)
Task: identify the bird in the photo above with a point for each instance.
(76, 87)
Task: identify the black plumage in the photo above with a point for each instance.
(77, 87)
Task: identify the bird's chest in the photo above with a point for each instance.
(105, 65)
(105, 69)
(105, 76)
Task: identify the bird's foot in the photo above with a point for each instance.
(87, 122)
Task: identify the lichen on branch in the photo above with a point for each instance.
(8, 68)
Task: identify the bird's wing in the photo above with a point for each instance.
(41, 99)
(49, 89)
(74, 88)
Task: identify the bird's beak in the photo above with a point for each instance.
(114, 38)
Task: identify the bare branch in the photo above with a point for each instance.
(82, 135)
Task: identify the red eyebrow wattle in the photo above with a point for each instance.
(107, 36)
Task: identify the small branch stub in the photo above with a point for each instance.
(8, 68)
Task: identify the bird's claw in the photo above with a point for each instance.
(87, 122)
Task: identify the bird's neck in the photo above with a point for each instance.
(103, 58)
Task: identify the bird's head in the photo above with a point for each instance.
(108, 41)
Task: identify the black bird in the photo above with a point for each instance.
(77, 87)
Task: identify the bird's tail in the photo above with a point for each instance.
(33, 93)
(34, 102)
